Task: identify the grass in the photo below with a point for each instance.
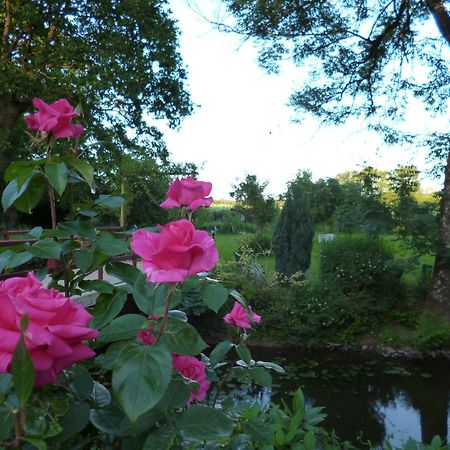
(227, 244)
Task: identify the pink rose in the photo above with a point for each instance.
(55, 118)
(239, 317)
(57, 326)
(195, 370)
(174, 254)
(188, 192)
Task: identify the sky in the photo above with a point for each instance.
(243, 125)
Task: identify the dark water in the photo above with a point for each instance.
(368, 398)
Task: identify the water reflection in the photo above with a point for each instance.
(369, 399)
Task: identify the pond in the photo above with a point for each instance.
(367, 398)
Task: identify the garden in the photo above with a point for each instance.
(137, 312)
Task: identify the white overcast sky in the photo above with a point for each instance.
(243, 125)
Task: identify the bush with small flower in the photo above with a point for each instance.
(103, 378)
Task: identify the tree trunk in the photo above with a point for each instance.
(438, 301)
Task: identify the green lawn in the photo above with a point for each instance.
(227, 244)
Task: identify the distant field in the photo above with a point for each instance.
(227, 244)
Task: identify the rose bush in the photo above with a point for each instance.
(55, 119)
(56, 331)
(238, 316)
(175, 253)
(189, 193)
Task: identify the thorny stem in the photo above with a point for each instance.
(19, 426)
(171, 290)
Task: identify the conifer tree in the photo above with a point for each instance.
(292, 241)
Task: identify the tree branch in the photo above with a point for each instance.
(441, 16)
(7, 22)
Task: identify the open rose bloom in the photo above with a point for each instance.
(189, 193)
(55, 119)
(239, 317)
(194, 370)
(175, 253)
(55, 333)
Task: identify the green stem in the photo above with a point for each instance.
(171, 290)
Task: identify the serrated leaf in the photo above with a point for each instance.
(107, 307)
(110, 201)
(57, 176)
(214, 295)
(219, 352)
(46, 248)
(204, 423)
(85, 169)
(140, 377)
(112, 246)
(124, 327)
(182, 338)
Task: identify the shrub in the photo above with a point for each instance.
(361, 264)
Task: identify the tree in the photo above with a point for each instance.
(118, 59)
(366, 58)
(293, 235)
(415, 223)
(256, 206)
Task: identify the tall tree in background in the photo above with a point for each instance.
(294, 232)
(366, 58)
(118, 58)
(253, 203)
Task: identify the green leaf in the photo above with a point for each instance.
(5, 383)
(22, 368)
(244, 353)
(162, 439)
(22, 169)
(204, 423)
(35, 232)
(6, 421)
(107, 307)
(33, 194)
(270, 365)
(82, 383)
(144, 294)
(219, 352)
(238, 297)
(176, 396)
(124, 327)
(73, 422)
(298, 402)
(112, 246)
(100, 395)
(108, 359)
(12, 191)
(18, 259)
(85, 169)
(260, 376)
(5, 257)
(83, 259)
(214, 295)
(310, 440)
(110, 201)
(182, 338)
(140, 377)
(57, 176)
(96, 285)
(258, 430)
(46, 248)
(107, 419)
(36, 442)
(124, 272)
(75, 228)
